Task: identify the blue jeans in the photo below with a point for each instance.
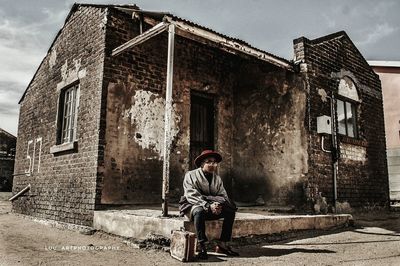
(200, 216)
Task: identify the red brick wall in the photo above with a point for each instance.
(362, 183)
(131, 167)
(270, 147)
(63, 184)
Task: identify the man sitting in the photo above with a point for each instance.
(206, 199)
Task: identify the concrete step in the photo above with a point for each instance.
(138, 223)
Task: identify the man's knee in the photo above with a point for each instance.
(198, 211)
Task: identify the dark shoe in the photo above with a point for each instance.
(227, 251)
(202, 255)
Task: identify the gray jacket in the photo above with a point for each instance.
(196, 188)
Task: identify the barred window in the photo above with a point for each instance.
(68, 109)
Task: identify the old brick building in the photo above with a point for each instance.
(333, 64)
(7, 158)
(91, 127)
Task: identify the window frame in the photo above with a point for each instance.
(354, 107)
(67, 112)
(68, 116)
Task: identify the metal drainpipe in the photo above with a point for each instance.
(25, 189)
(335, 150)
(168, 114)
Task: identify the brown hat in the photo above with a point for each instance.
(205, 154)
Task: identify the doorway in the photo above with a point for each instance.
(201, 125)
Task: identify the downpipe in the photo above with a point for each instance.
(23, 191)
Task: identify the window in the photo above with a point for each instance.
(346, 114)
(67, 118)
(346, 107)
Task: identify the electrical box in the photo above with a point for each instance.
(324, 125)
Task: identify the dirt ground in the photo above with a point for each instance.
(374, 240)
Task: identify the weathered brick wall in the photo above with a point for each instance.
(135, 86)
(126, 175)
(270, 144)
(63, 184)
(362, 177)
(7, 159)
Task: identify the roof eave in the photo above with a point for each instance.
(230, 44)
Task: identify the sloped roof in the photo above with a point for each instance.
(73, 9)
(339, 34)
(335, 35)
(159, 16)
(2, 131)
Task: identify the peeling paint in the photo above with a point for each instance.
(52, 59)
(272, 158)
(147, 114)
(71, 74)
(323, 94)
(352, 152)
(103, 22)
(347, 88)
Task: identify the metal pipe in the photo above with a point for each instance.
(322, 144)
(157, 29)
(25, 189)
(335, 151)
(19, 174)
(168, 114)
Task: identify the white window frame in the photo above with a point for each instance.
(353, 107)
(69, 114)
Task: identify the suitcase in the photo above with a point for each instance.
(183, 245)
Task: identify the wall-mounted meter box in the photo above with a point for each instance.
(324, 125)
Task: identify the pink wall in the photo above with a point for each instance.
(390, 78)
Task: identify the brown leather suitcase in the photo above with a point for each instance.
(183, 245)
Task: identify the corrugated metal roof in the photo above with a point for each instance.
(160, 15)
(156, 15)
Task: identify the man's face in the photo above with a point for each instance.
(209, 165)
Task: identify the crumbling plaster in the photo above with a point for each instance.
(146, 114)
(270, 139)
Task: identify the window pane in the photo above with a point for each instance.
(350, 120)
(72, 116)
(341, 117)
(68, 116)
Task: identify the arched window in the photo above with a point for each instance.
(346, 107)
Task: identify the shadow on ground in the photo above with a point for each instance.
(386, 220)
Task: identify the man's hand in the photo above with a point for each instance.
(216, 208)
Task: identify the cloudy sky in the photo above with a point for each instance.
(27, 28)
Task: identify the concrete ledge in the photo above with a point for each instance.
(138, 223)
(135, 223)
(85, 230)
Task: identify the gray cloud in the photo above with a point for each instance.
(27, 29)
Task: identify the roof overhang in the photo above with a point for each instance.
(184, 29)
(157, 29)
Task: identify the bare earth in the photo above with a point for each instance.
(375, 240)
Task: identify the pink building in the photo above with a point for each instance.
(389, 73)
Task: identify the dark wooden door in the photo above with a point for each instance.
(201, 125)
